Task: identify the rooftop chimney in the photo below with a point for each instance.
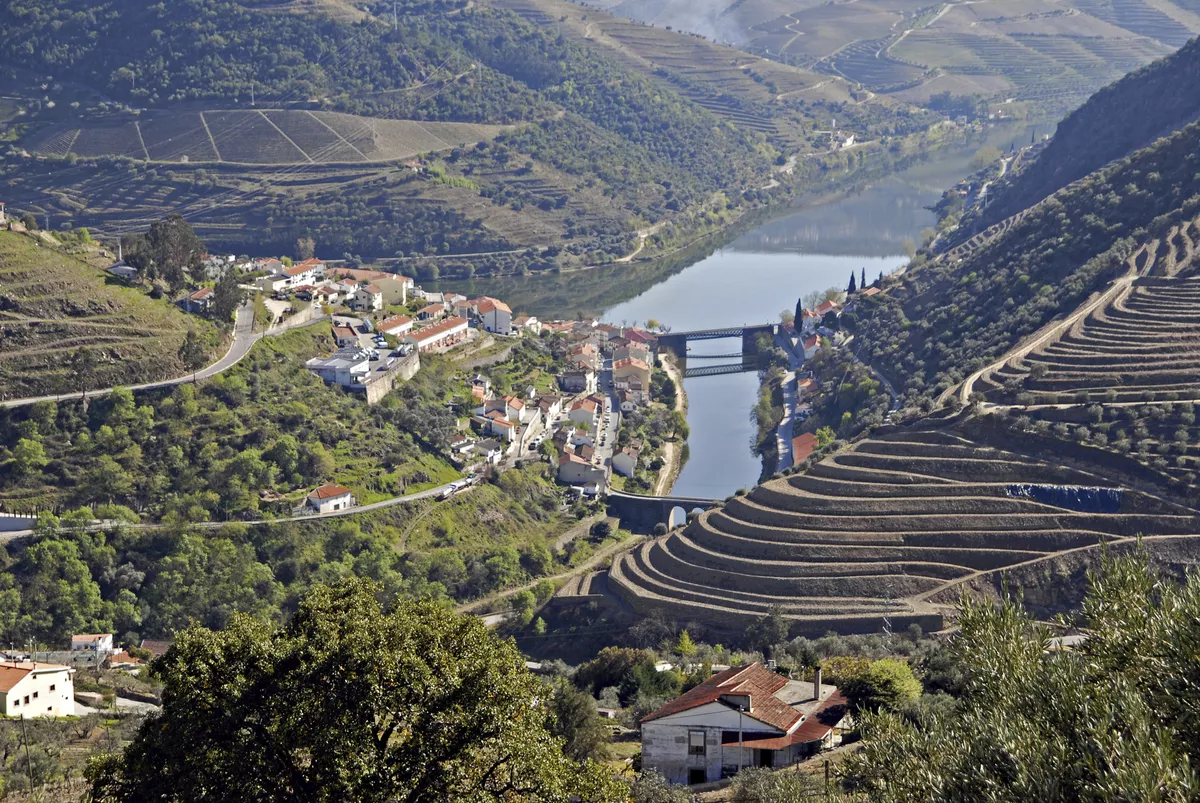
(817, 682)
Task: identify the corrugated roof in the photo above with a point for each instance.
(754, 680)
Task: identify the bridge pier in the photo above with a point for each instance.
(640, 514)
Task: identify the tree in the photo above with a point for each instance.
(227, 297)
(825, 436)
(760, 785)
(306, 248)
(862, 285)
(768, 630)
(686, 647)
(887, 684)
(577, 722)
(349, 702)
(29, 456)
(852, 287)
(83, 367)
(1106, 720)
(652, 323)
(174, 247)
(192, 352)
(650, 787)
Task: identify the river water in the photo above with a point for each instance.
(750, 280)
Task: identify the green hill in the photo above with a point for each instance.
(1124, 116)
(265, 123)
(53, 304)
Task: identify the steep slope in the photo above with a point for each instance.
(265, 123)
(871, 534)
(52, 304)
(1119, 119)
(939, 322)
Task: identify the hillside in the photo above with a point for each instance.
(53, 304)
(1119, 119)
(890, 528)
(1044, 55)
(942, 320)
(265, 124)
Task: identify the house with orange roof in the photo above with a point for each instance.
(494, 315)
(628, 369)
(826, 307)
(812, 344)
(744, 716)
(802, 447)
(329, 498)
(30, 689)
(397, 325)
(441, 335)
(199, 301)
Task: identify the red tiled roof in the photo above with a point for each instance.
(487, 305)
(755, 680)
(633, 362)
(156, 647)
(812, 341)
(817, 726)
(803, 446)
(394, 322)
(432, 309)
(328, 492)
(826, 306)
(201, 294)
(431, 332)
(12, 674)
(343, 331)
(296, 270)
(870, 291)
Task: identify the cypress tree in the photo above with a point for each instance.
(850, 288)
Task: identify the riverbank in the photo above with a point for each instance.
(672, 450)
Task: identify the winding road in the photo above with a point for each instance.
(244, 337)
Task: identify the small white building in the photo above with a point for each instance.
(397, 325)
(37, 690)
(625, 461)
(441, 335)
(527, 323)
(585, 411)
(495, 315)
(329, 498)
(745, 716)
(367, 298)
(101, 643)
(812, 344)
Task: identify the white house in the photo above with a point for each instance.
(490, 450)
(527, 323)
(584, 411)
(344, 336)
(496, 423)
(625, 461)
(329, 498)
(101, 643)
(495, 315)
(345, 367)
(367, 298)
(812, 344)
(199, 301)
(397, 325)
(310, 271)
(440, 335)
(37, 690)
(575, 470)
(745, 716)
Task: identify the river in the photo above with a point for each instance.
(750, 280)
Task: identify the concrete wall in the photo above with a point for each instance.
(404, 369)
(10, 522)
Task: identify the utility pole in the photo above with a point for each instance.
(741, 740)
(28, 760)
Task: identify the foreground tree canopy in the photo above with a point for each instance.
(349, 702)
(1114, 720)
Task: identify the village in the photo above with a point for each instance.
(589, 373)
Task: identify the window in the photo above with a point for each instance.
(35, 694)
(52, 687)
(26, 699)
(16, 702)
(696, 743)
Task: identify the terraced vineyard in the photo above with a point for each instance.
(873, 532)
(266, 137)
(1142, 344)
(52, 305)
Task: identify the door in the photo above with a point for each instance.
(766, 758)
(697, 776)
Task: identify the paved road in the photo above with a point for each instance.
(244, 337)
(208, 525)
